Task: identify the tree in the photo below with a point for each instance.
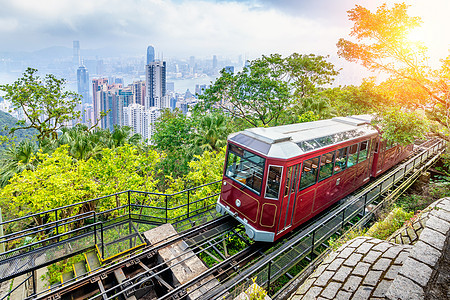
(262, 92)
(16, 158)
(60, 180)
(45, 104)
(257, 94)
(382, 44)
(173, 137)
(211, 133)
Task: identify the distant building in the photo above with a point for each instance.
(214, 62)
(200, 88)
(83, 84)
(138, 89)
(155, 94)
(170, 86)
(140, 119)
(150, 54)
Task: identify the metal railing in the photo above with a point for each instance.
(48, 236)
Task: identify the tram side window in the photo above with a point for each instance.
(273, 182)
(363, 151)
(352, 155)
(309, 172)
(287, 181)
(326, 165)
(341, 160)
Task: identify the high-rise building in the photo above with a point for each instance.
(138, 89)
(214, 62)
(150, 54)
(140, 119)
(98, 86)
(76, 53)
(155, 95)
(83, 84)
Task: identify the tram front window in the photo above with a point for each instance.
(245, 167)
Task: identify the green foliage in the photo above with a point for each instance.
(401, 127)
(16, 158)
(263, 93)
(395, 220)
(382, 44)
(355, 100)
(336, 242)
(255, 292)
(44, 102)
(54, 271)
(60, 180)
(211, 133)
(7, 121)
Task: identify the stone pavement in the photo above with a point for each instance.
(369, 268)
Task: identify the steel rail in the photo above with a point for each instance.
(132, 257)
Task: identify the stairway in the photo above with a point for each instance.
(90, 263)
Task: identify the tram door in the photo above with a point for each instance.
(288, 202)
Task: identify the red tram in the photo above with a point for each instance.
(277, 178)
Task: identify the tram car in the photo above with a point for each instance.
(278, 178)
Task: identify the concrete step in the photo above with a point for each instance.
(92, 260)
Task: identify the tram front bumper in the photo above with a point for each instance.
(253, 233)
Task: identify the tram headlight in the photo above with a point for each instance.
(249, 232)
(238, 203)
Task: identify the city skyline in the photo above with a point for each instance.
(201, 27)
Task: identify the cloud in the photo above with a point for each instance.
(179, 27)
(194, 27)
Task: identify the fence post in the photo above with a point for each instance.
(95, 229)
(34, 282)
(312, 243)
(188, 204)
(166, 211)
(343, 218)
(56, 220)
(129, 206)
(268, 276)
(103, 243)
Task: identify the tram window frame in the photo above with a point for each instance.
(377, 144)
(367, 150)
(310, 167)
(287, 182)
(268, 184)
(342, 166)
(324, 159)
(351, 155)
(236, 159)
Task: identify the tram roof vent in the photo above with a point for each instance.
(350, 121)
(267, 135)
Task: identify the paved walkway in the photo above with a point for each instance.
(369, 268)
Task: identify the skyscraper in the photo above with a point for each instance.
(76, 53)
(150, 54)
(83, 84)
(98, 85)
(214, 62)
(155, 75)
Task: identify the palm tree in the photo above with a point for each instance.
(17, 158)
(211, 133)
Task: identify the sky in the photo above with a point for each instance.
(181, 28)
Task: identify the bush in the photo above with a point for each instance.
(395, 219)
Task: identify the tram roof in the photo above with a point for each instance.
(295, 139)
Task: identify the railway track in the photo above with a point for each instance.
(142, 275)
